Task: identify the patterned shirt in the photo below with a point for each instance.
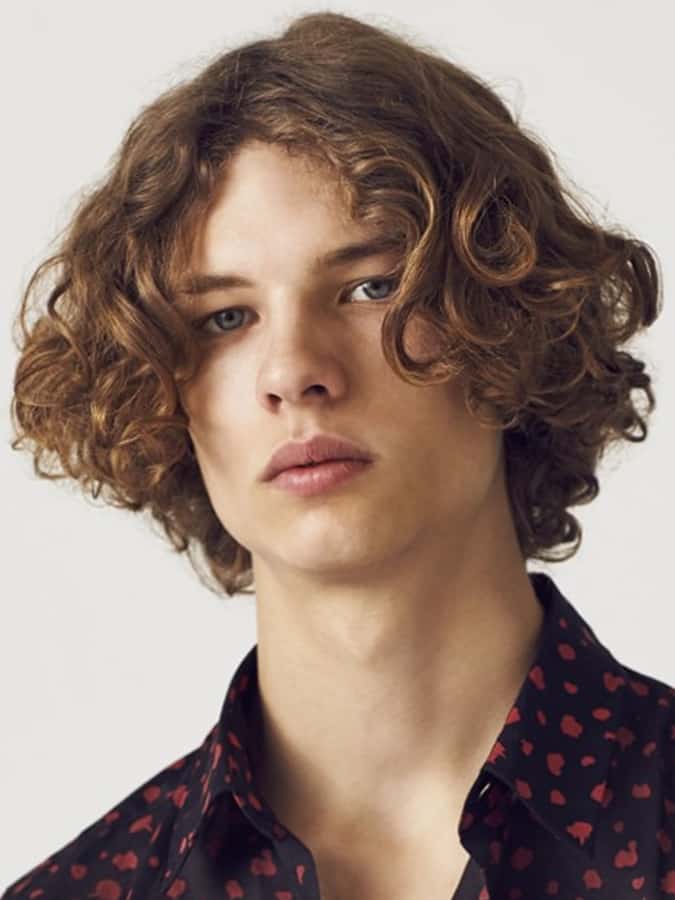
(575, 800)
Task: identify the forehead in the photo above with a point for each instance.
(272, 174)
(276, 207)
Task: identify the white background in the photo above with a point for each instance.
(115, 659)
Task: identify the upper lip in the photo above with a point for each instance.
(318, 448)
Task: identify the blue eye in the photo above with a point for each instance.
(218, 317)
(384, 281)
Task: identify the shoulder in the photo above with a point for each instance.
(123, 849)
(641, 778)
(647, 719)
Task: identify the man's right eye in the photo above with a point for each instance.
(216, 316)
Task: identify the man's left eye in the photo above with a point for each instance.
(387, 283)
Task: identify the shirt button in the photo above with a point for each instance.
(484, 788)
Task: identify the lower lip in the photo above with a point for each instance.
(310, 480)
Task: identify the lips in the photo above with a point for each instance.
(318, 449)
(317, 480)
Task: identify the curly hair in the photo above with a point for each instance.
(531, 299)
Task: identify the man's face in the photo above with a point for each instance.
(301, 354)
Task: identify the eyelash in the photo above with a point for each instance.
(202, 323)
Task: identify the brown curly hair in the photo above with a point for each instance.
(530, 297)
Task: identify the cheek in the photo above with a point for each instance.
(206, 412)
(421, 340)
(205, 394)
(474, 447)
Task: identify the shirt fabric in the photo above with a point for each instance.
(471, 883)
(576, 799)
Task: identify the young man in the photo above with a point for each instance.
(421, 716)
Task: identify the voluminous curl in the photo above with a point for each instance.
(530, 298)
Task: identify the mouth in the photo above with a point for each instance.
(314, 453)
(325, 475)
(321, 462)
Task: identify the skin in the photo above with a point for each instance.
(396, 621)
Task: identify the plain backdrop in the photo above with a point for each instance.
(115, 659)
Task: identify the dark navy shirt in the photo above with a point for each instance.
(576, 799)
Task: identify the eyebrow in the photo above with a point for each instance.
(203, 282)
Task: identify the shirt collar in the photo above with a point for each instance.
(553, 751)
(558, 740)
